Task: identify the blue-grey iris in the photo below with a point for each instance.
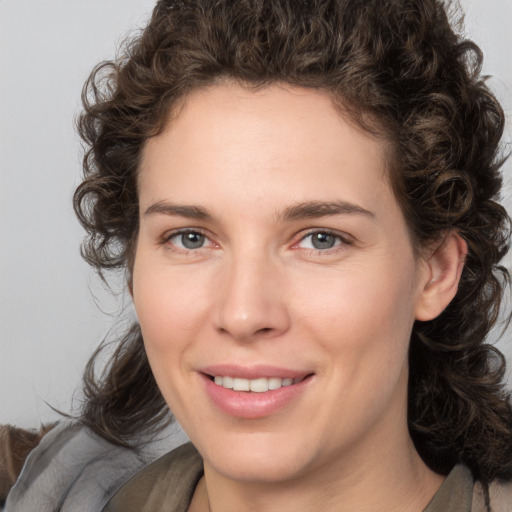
(323, 240)
(192, 240)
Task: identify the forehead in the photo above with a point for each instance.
(238, 142)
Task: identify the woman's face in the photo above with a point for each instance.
(273, 256)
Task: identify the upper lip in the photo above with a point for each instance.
(253, 372)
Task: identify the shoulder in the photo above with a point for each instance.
(73, 468)
(166, 484)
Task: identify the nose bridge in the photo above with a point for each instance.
(251, 303)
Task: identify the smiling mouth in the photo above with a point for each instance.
(260, 385)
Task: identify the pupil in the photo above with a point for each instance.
(192, 240)
(323, 241)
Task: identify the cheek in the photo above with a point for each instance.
(364, 320)
(169, 305)
(169, 309)
(358, 299)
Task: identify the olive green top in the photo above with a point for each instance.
(168, 484)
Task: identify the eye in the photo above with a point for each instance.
(189, 240)
(321, 240)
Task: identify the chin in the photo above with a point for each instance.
(260, 469)
(257, 457)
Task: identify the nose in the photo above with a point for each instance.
(252, 300)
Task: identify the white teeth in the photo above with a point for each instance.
(274, 383)
(241, 384)
(260, 385)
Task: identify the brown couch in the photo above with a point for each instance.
(15, 445)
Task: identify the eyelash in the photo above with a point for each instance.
(341, 240)
(166, 239)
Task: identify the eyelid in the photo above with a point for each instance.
(168, 235)
(344, 238)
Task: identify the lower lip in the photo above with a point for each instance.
(251, 405)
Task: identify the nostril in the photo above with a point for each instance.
(244, 320)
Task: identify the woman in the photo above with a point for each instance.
(303, 196)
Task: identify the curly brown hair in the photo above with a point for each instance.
(399, 69)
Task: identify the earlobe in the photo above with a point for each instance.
(441, 276)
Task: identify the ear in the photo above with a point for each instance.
(440, 276)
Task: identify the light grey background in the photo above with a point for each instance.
(49, 321)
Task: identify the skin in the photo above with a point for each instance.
(258, 292)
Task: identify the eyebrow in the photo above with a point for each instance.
(191, 212)
(303, 210)
(316, 209)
